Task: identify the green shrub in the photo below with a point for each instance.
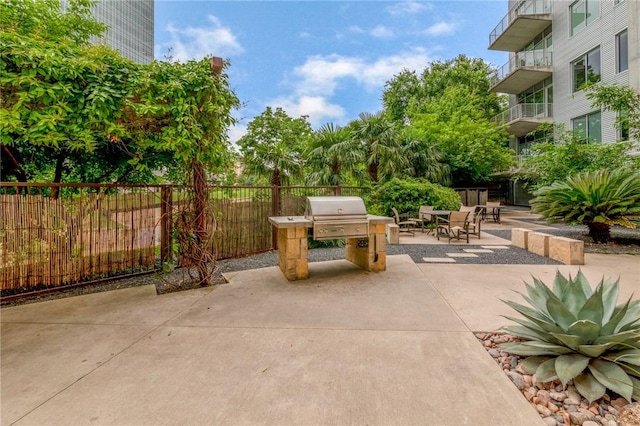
(408, 195)
(597, 199)
(572, 332)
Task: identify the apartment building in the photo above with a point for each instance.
(131, 27)
(555, 48)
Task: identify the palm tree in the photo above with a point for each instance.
(378, 138)
(332, 155)
(272, 146)
(426, 160)
(597, 199)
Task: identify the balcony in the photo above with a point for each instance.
(525, 118)
(523, 70)
(524, 21)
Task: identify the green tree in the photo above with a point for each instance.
(451, 106)
(332, 156)
(45, 20)
(399, 93)
(406, 91)
(569, 154)
(378, 138)
(63, 102)
(621, 99)
(474, 147)
(426, 159)
(273, 146)
(597, 199)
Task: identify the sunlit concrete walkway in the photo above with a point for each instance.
(344, 347)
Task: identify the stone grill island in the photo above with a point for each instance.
(331, 218)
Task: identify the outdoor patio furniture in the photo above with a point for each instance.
(424, 217)
(473, 223)
(453, 225)
(495, 210)
(406, 225)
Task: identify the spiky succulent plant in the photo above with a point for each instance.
(572, 332)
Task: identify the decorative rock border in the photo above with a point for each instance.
(562, 249)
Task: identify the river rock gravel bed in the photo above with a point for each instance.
(558, 406)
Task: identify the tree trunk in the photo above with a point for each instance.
(200, 199)
(276, 178)
(57, 176)
(373, 172)
(600, 232)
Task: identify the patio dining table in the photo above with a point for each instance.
(495, 212)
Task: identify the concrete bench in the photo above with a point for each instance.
(566, 250)
(538, 243)
(519, 237)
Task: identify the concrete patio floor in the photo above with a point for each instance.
(343, 347)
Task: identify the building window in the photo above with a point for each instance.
(622, 51)
(586, 69)
(583, 12)
(623, 125)
(588, 127)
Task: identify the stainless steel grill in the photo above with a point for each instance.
(337, 217)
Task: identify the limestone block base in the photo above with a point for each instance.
(519, 237)
(368, 253)
(566, 250)
(538, 243)
(293, 253)
(393, 233)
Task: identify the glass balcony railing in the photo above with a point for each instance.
(522, 8)
(530, 59)
(523, 112)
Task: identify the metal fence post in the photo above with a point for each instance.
(275, 211)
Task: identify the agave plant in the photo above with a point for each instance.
(572, 332)
(597, 199)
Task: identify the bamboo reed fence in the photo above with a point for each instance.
(58, 234)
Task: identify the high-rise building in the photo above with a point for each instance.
(131, 26)
(555, 48)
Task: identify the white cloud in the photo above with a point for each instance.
(319, 78)
(236, 132)
(317, 108)
(378, 32)
(381, 32)
(197, 42)
(441, 28)
(409, 8)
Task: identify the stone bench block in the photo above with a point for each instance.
(393, 233)
(566, 250)
(519, 237)
(538, 243)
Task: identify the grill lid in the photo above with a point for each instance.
(335, 208)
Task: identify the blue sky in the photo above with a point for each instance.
(325, 59)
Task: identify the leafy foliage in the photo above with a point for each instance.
(620, 99)
(273, 146)
(451, 106)
(408, 195)
(45, 20)
(568, 155)
(333, 157)
(572, 332)
(592, 198)
(378, 138)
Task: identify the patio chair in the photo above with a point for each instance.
(407, 226)
(453, 226)
(423, 217)
(473, 224)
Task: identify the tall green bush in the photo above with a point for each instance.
(408, 195)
